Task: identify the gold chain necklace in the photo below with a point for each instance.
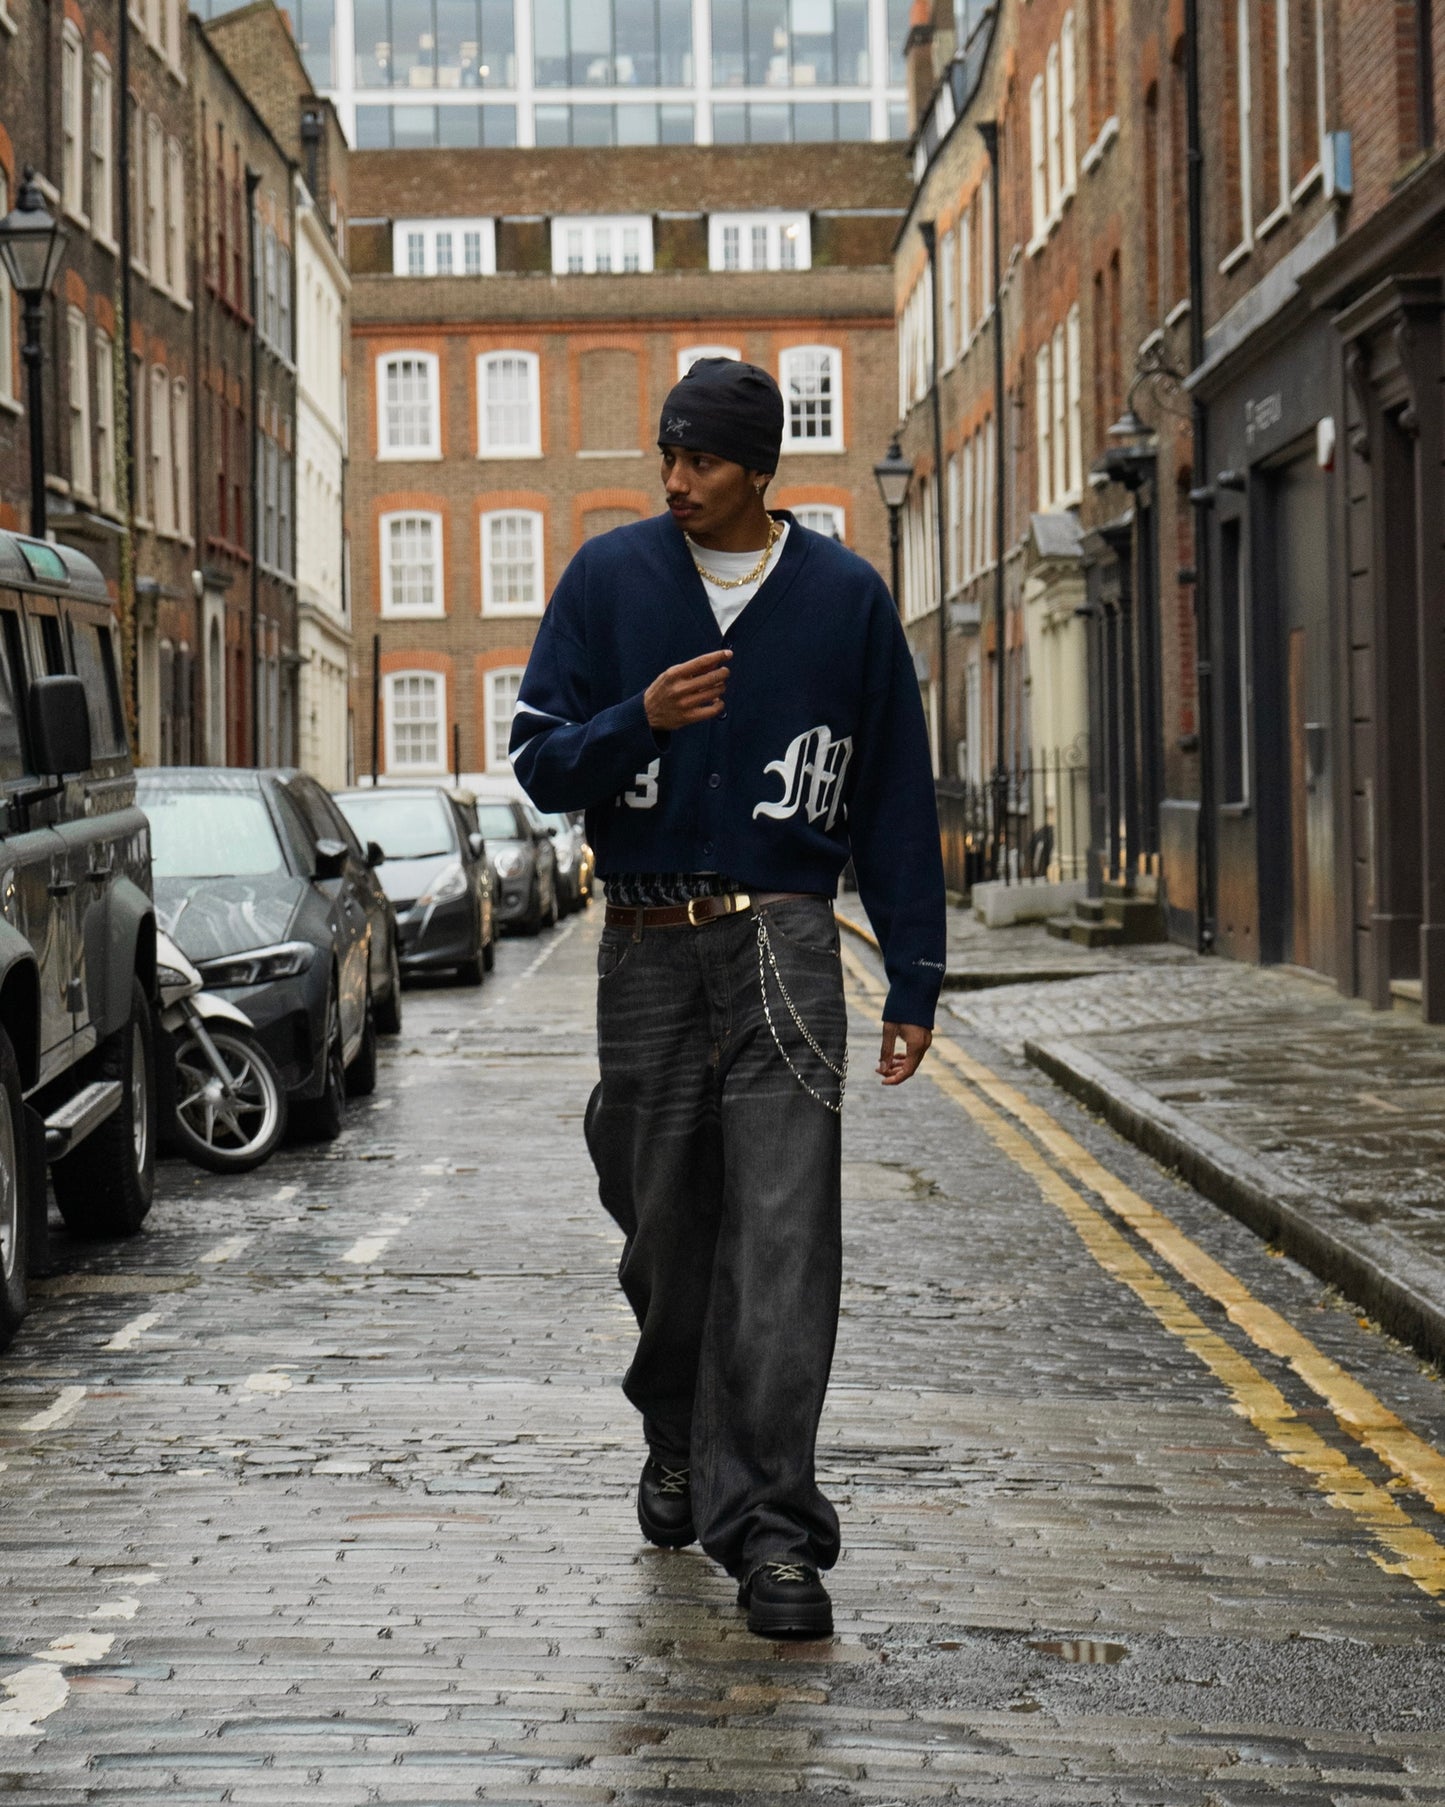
(775, 533)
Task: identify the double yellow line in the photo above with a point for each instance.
(1063, 1170)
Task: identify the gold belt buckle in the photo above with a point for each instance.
(732, 903)
(692, 903)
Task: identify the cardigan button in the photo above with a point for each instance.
(714, 780)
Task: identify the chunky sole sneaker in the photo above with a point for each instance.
(786, 1600)
(664, 1505)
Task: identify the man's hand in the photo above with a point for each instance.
(893, 1067)
(688, 693)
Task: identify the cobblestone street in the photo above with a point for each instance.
(323, 1488)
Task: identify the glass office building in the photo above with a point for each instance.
(599, 72)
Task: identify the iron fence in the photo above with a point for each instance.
(1028, 822)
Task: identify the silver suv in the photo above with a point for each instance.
(77, 927)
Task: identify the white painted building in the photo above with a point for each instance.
(323, 634)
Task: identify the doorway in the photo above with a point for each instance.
(1293, 721)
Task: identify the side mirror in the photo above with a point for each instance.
(375, 854)
(330, 859)
(478, 845)
(59, 722)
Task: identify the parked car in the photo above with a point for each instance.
(575, 859)
(521, 850)
(436, 873)
(263, 885)
(77, 926)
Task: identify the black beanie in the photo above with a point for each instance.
(733, 410)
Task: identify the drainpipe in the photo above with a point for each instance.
(988, 131)
(1202, 498)
(253, 182)
(928, 230)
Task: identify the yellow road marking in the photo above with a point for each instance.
(1419, 1556)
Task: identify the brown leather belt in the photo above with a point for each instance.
(696, 911)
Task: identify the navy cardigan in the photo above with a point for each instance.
(821, 752)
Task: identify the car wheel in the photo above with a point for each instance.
(552, 910)
(531, 923)
(489, 949)
(14, 1193)
(105, 1188)
(388, 1011)
(321, 1118)
(361, 1074)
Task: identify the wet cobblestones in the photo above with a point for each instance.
(322, 1490)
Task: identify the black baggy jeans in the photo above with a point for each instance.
(718, 1154)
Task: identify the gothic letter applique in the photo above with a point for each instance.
(812, 771)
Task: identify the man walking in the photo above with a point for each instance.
(731, 699)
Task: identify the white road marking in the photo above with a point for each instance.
(371, 1247)
(554, 941)
(66, 1402)
(268, 1382)
(130, 1334)
(282, 1193)
(225, 1251)
(125, 1608)
(41, 1688)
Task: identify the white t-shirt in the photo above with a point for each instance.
(727, 605)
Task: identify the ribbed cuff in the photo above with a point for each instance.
(913, 1000)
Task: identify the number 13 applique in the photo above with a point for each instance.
(643, 794)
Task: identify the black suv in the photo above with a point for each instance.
(77, 926)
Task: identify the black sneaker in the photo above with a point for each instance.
(664, 1504)
(786, 1600)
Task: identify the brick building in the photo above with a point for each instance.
(94, 97)
(1227, 460)
(512, 346)
(262, 54)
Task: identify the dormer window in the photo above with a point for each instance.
(594, 245)
(759, 241)
(444, 248)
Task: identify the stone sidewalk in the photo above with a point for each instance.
(1317, 1121)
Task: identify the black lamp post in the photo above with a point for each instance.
(893, 473)
(32, 243)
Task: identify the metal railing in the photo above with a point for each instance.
(1028, 823)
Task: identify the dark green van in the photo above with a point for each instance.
(77, 926)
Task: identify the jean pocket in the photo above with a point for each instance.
(611, 953)
(805, 923)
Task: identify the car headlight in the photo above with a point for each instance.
(450, 882)
(509, 864)
(171, 978)
(258, 965)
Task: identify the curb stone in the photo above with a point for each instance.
(1393, 1282)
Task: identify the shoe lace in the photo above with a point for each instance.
(788, 1571)
(673, 1480)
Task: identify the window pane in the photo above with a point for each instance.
(415, 721)
(812, 45)
(459, 125)
(315, 26)
(674, 35)
(637, 124)
(898, 14)
(458, 43)
(767, 43)
(413, 44)
(92, 665)
(408, 404)
(855, 120)
(512, 561)
(498, 67)
(472, 253)
(554, 125)
(852, 43)
(507, 386)
(769, 124)
(590, 63)
(412, 562)
(499, 127)
(504, 688)
(593, 125)
(549, 28)
(729, 46)
(814, 122)
(413, 127)
(730, 124)
(636, 46)
(809, 394)
(373, 128)
(371, 22)
(678, 126)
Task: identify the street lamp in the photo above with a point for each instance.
(32, 244)
(893, 473)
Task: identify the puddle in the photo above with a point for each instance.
(1080, 1650)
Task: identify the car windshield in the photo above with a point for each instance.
(211, 834)
(405, 827)
(497, 822)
